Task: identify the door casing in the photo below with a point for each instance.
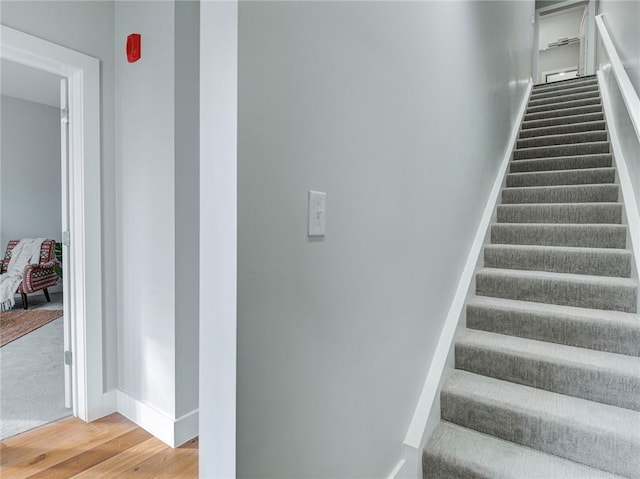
(83, 263)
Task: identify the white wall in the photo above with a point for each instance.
(359, 100)
(146, 204)
(88, 28)
(622, 19)
(157, 165)
(30, 195)
(557, 25)
(562, 58)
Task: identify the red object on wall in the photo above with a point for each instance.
(133, 48)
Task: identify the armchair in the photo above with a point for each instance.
(37, 277)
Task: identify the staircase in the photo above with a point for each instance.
(547, 378)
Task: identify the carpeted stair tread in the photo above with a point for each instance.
(563, 139)
(592, 100)
(563, 129)
(549, 234)
(560, 259)
(457, 452)
(598, 376)
(610, 331)
(607, 193)
(590, 148)
(562, 120)
(585, 291)
(592, 88)
(577, 162)
(582, 213)
(561, 112)
(564, 85)
(595, 434)
(568, 97)
(562, 177)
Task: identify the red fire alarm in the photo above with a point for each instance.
(133, 48)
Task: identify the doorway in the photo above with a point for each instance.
(564, 40)
(32, 376)
(82, 239)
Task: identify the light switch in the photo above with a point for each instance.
(317, 213)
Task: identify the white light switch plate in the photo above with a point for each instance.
(317, 213)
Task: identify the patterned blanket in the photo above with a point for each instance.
(25, 252)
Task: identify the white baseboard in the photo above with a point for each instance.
(395, 474)
(427, 410)
(173, 432)
(186, 427)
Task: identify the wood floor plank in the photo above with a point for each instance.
(107, 448)
(93, 456)
(123, 461)
(180, 463)
(48, 445)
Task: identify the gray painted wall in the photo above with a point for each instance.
(88, 28)
(157, 176)
(622, 19)
(30, 192)
(146, 212)
(405, 132)
(187, 184)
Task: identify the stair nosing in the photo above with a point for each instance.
(541, 87)
(572, 186)
(546, 158)
(553, 106)
(595, 93)
(570, 116)
(602, 168)
(576, 311)
(569, 249)
(552, 275)
(589, 123)
(565, 145)
(560, 135)
(590, 203)
(604, 424)
(561, 109)
(544, 351)
(495, 443)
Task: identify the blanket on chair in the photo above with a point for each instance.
(27, 251)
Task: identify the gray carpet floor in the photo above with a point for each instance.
(547, 372)
(32, 375)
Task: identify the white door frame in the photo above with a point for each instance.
(84, 261)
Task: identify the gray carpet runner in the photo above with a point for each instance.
(547, 372)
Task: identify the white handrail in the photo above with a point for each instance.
(629, 95)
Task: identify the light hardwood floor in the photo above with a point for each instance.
(111, 447)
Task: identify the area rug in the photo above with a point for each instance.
(15, 324)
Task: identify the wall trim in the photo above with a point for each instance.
(173, 432)
(81, 178)
(395, 474)
(426, 412)
(630, 204)
(628, 93)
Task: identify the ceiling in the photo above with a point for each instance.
(27, 83)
